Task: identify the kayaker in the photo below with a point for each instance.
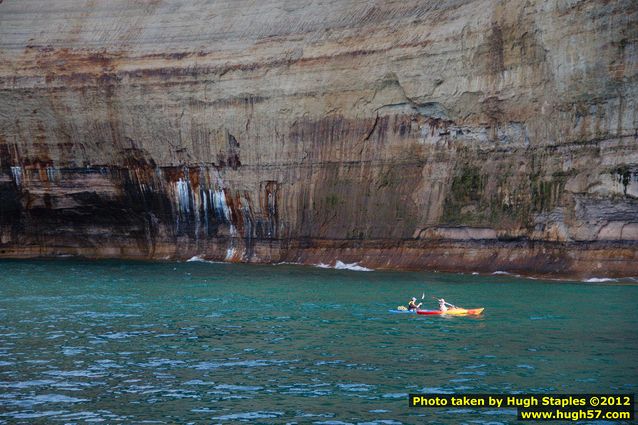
(412, 305)
(442, 305)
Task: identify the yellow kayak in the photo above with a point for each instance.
(453, 311)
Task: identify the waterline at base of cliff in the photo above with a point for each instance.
(577, 261)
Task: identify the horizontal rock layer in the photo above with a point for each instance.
(450, 135)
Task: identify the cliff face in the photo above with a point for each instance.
(453, 135)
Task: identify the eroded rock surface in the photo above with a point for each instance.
(452, 135)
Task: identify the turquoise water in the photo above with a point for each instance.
(119, 342)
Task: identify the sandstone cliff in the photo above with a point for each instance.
(451, 135)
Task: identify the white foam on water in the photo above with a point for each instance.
(340, 265)
(600, 279)
(200, 259)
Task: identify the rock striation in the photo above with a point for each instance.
(467, 135)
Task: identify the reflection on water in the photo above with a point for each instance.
(173, 343)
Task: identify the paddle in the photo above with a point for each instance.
(451, 305)
(419, 305)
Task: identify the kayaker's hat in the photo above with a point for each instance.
(413, 298)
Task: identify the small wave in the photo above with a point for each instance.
(600, 279)
(328, 362)
(238, 387)
(195, 258)
(74, 373)
(27, 384)
(435, 390)
(288, 263)
(459, 411)
(500, 412)
(333, 423)
(352, 266)
(239, 363)
(200, 259)
(72, 351)
(355, 387)
(34, 415)
(472, 373)
(545, 317)
(504, 273)
(157, 363)
(203, 410)
(98, 315)
(340, 265)
(250, 416)
(395, 395)
(199, 382)
(123, 335)
(55, 398)
(90, 417)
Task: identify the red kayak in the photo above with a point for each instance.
(453, 311)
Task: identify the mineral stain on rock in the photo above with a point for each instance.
(454, 135)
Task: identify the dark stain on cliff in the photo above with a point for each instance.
(623, 175)
(374, 127)
(465, 194)
(493, 111)
(267, 225)
(233, 152)
(142, 194)
(495, 53)
(10, 208)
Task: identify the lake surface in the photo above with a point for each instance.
(112, 342)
